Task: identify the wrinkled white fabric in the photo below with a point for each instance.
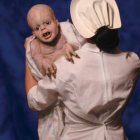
(94, 91)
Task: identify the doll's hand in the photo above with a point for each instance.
(28, 40)
(69, 52)
(49, 67)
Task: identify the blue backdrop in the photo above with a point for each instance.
(17, 122)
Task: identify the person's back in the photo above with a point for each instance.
(94, 91)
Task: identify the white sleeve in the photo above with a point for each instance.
(42, 95)
(80, 39)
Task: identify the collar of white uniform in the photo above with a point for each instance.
(91, 47)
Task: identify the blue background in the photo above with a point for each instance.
(17, 122)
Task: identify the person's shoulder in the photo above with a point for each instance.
(135, 55)
(128, 54)
(65, 24)
(132, 55)
(132, 58)
(71, 34)
(61, 62)
(66, 27)
(64, 68)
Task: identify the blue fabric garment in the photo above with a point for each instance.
(17, 122)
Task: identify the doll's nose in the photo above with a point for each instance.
(42, 27)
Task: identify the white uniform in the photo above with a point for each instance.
(94, 91)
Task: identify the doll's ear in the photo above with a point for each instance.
(33, 34)
(57, 23)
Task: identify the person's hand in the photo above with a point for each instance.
(28, 40)
(49, 67)
(70, 53)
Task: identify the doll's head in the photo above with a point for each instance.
(42, 21)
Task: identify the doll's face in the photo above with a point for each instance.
(43, 23)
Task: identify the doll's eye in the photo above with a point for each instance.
(37, 28)
(48, 22)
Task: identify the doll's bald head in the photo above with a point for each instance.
(38, 13)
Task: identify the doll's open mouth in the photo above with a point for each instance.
(47, 34)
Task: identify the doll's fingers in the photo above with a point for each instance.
(48, 69)
(54, 68)
(71, 60)
(68, 56)
(71, 51)
(75, 54)
(48, 73)
(51, 70)
(54, 75)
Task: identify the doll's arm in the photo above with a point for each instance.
(49, 67)
(38, 58)
(70, 52)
